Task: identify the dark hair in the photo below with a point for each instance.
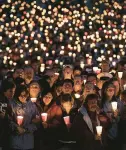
(68, 81)
(20, 89)
(18, 81)
(17, 67)
(34, 81)
(113, 80)
(45, 92)
(77, 68)
(105, 86)
(44, 84)
(66, 98)
(90, 97)
(7, 84)
(91, 74)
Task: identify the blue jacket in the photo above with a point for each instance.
(29, 112)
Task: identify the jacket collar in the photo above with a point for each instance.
(87, 119)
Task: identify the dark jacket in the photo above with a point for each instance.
(4, 122)
(29, 112)
(84, 134)
(65, 133)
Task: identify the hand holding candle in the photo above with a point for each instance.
(77, 95)
(99, 130)
(44, 117)
(114, 106)
(120, 74)
(67, 120)
(33, 100)
(20, 120)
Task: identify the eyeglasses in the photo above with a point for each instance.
(110, 90)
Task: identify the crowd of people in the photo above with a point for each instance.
(63, 75)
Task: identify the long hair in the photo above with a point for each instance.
(19, 90)
(113, 80)
(105, 86)
(45, 92)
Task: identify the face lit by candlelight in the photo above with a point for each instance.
(34, 90)
(110, 91)
(67, 106)
(92, 105)
(47, 98)
(23, 97)
(88, 89)
(67, 87)
(10, 93)
(68, 72)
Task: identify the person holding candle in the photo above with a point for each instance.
(108, 97)
(22, 128)
(69, 111)
(85, 122)
(54, 113)
(122, 122)
(7, 92)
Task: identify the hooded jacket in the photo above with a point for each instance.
(29, 112)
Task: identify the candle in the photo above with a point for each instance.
(85, 81)
(53, 52)
(33, 100)
(70, 54)
(67, 120)
(114, 106)
(44, 117)
(26, 62)
(56, 73)
(74, 55)
(20, 120)
(120, 74)
(42, 68)
(82, 65)
(56, 61)
(61, 63)
(77, 95)
(38, 57)
(124, 86)
(98, 71)
(99, 130)
(95, 69)
(114, 63)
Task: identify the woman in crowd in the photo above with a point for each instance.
(108, 96)
(22, 128)
(51, 125)
(68, 114)
(6, 97)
